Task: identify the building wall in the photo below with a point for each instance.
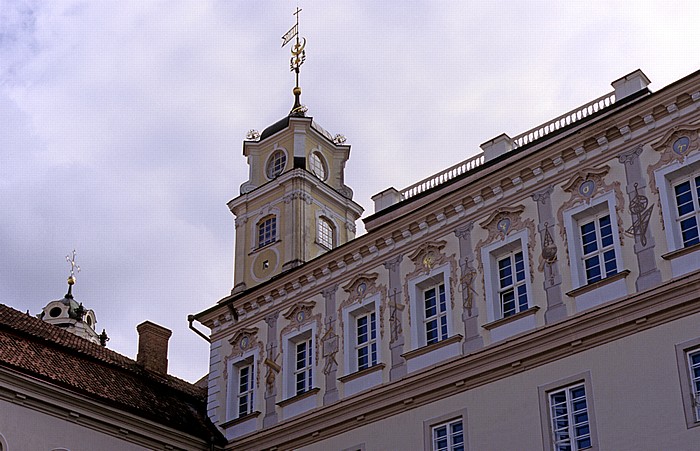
(533, 204)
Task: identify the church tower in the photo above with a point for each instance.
(295, 205)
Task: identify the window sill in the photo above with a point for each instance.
(323, 246)
(432, 347)
(681, 252)
(293, 399)
(358, 374)
(595, 285)
(262, 248)
(239, 420)
(509, 319)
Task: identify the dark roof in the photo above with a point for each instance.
(47, 352)
(274, 128)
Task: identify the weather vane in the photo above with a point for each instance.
(73, 267)
(298, 58)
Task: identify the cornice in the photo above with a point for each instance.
(586, 330)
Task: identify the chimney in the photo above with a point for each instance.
(153, 347)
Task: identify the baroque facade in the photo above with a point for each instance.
(540, 295)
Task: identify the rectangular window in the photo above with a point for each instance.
(512, 290)
(245, 390)
(435, 318)
(570, 426)
(366, 340)
(448, 436)
(694, 374)
(303, 367)
(598, 248)
(687, 198)
(267, 232)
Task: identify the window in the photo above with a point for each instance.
(241, 388)
(512, 290)
(686, 194)
(594, 244)
(276, 164)
(688, 359)
(435, 317)
(598, 251)
(324, 233)
(446, 433)
(430, 298)
(245, 389)
(303, 367)
(317, 166)
(566, 409)
(569, 414)
(267, 231)
(694, 374)
(507, 283)
(448, 436)
(366, 340)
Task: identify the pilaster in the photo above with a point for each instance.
(272, 370)
(470, 313)
(396, 340)
(330, 343)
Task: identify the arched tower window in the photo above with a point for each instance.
(317, 166)
(325, 233)
(276, 164)
(267, 231)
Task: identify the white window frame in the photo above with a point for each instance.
(573, 219)
(547, 414)
(232, 406)
(260, 225)
(690, 391)
(306, 334)
(325, 236)
(568, 410)
(490, 256)
(270, 164)
(430, 426)
(318, 163)
(350, 315)
(666, 178)
(417, 287)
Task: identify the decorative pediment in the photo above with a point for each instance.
(244, 339)
(680, 140)
(587, 182)
(300, 312)
(429, 255)
(361, 284)
(503, 220)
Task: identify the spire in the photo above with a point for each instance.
(71, 278)
(298, 58)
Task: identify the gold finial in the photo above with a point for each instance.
(298, 58)
(73, 268)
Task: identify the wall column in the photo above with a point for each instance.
(396, 342)
(470, 313)
(272, 370)
(640, 209)
(329, 343)
(556, 310)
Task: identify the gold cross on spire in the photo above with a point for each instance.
(73, 267)
(298, 58)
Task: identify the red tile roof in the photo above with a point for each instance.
(34, 347)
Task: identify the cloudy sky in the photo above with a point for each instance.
(121, 122)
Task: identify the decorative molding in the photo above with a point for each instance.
(361, 287)
(428, 255)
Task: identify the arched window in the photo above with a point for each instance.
(317, 165)
(276, 164)
(267, 231)
(324, 233)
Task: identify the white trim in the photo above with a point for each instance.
(573, 217)
(248, 358)
(289, 339)
(349, 336)
(489, 257)
(269, 158)
(416, 286)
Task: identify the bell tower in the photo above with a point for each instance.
(295, 205)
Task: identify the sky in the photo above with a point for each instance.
(121, 122)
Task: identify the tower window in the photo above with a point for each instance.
(276, 164)
(267, 231)
(317, 166)
(325, 233)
